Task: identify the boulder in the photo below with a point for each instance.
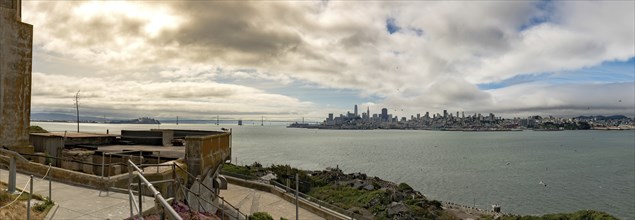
(396, 208)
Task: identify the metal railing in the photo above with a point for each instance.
(160, 203)
(308, 199)
(224, 203)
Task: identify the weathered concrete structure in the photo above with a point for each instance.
(16, 46)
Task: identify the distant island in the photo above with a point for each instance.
(143, 120)
(462, 122)
(57, 117)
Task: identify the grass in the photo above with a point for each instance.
(231, 168)
(17, 210)
(579, 215)
(37, 129)
(344, 196)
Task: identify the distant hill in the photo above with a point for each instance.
(601, 117)
(62, 117)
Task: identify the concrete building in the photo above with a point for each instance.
(384, 114)
(16, 47)
(356, 112)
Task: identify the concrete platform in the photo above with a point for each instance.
(250, 201)
(75, 202)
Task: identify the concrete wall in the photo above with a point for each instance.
(204, 153)
(203, 156)
(152, 137)
(16, 41)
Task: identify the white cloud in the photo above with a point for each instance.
(434, 62)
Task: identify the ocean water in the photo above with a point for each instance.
(581, 169)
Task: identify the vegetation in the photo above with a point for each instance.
(579, 215)
(37, 129)
(47, 204)
(17, 209)
(260, 216)
(241, 170)
(375, 198)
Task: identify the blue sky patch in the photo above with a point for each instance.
(391, 26)
(607, 72)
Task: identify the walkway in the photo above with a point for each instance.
(75, 202)
(250, 201)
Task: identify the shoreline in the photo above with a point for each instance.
(390, 199)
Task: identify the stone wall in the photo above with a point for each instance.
(16, 41)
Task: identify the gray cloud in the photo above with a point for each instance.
(177, 50)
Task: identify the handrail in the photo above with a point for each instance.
(320, 203)
(198, 196)
(197, 180)
(157, 194)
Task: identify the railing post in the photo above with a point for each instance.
(140, 196)
(12, 174)
(50, 198)
(158, 161)
(130, 186)
(297, 183)
(174, 180)
(28, 204)
(222, 201)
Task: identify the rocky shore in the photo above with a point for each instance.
(374, 198)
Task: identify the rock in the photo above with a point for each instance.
(373, 202)
(369, 187)
(396, 208)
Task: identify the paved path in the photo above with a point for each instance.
(251, 200)
(75, 202)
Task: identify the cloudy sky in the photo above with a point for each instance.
(287, 60)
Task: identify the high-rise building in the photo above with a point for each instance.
(356, 114)
(445, 113)
(368, 111)
(384, 114)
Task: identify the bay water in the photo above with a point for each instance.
(580, 169)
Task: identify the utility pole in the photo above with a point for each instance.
(77, 108)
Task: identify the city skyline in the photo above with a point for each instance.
(245, 59)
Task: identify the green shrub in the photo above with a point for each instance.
(37, 129)
(43, 206)
(5, 197)
(260, 216)
(404, 187)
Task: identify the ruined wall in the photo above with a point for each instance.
(16, 42)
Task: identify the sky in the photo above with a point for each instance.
(295, 59)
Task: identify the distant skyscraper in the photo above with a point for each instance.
(445, 113)
(356, 111)
(368, 111)
(384, 114)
